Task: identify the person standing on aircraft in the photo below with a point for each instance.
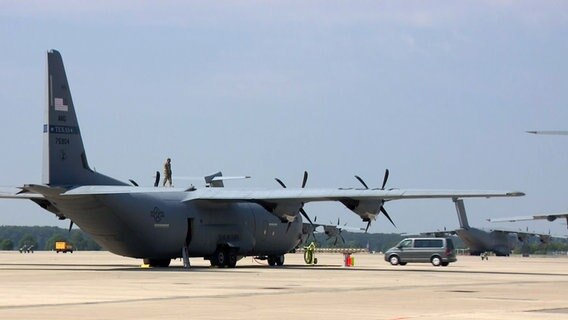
(168, 172)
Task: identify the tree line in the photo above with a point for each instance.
(43, 238)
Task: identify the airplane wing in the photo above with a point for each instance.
(309, 195)
(286, 203)
(18, 193)
(522, 236)
(549, 217)
(367, 203)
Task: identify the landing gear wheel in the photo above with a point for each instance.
(436, 261)
(219, 258)
(232, 259)
(394, 260)
(271, 261)
(279, 260)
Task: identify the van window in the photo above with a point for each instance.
(428, 243)
(405, 243)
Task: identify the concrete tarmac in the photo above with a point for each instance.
(100, 285)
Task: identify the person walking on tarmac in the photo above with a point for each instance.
(168, 172)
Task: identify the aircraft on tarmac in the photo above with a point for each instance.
(549, 217)
(480, 241)
(160, 224)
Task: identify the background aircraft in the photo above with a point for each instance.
(479, 241)
(160, 224)
(550, 132)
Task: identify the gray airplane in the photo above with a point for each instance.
(159, 224)
(480, 241)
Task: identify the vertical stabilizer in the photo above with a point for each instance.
(462, 217)
(64, 158)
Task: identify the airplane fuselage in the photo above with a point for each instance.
(158, 224)
(480, 241)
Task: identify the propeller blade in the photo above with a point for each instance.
(305, 179)
(157, 181)
(288, 226)
(384, 211)
(305, 215)
(133, 182)
(70, 225)
(280, 182)
(335, 242)
(385, 179)
(368, 225)
(342, 239)
(362, 182)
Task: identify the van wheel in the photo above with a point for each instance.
(436, 261)
(394, 260)
(445, 264)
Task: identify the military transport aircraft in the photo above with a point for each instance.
(160, 224)
(480, 241)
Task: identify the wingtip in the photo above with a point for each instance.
(515, 194)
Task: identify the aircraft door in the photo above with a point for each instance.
(189, 233)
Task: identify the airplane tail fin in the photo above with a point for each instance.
(64, 158)
(462, 217)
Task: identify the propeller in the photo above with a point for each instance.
(336, 233)
(70, 225)
(383, 210)
(157, 180)
(302, 211)
(133, 182)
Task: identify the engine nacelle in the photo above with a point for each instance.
(286, 212)
(544, 239)
(522, 237)
(367, 210)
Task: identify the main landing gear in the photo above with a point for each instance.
(276, 260)
(273, 260)
(224, 257)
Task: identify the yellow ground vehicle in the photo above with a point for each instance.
(63, 246)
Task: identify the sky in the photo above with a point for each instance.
(440, 93)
